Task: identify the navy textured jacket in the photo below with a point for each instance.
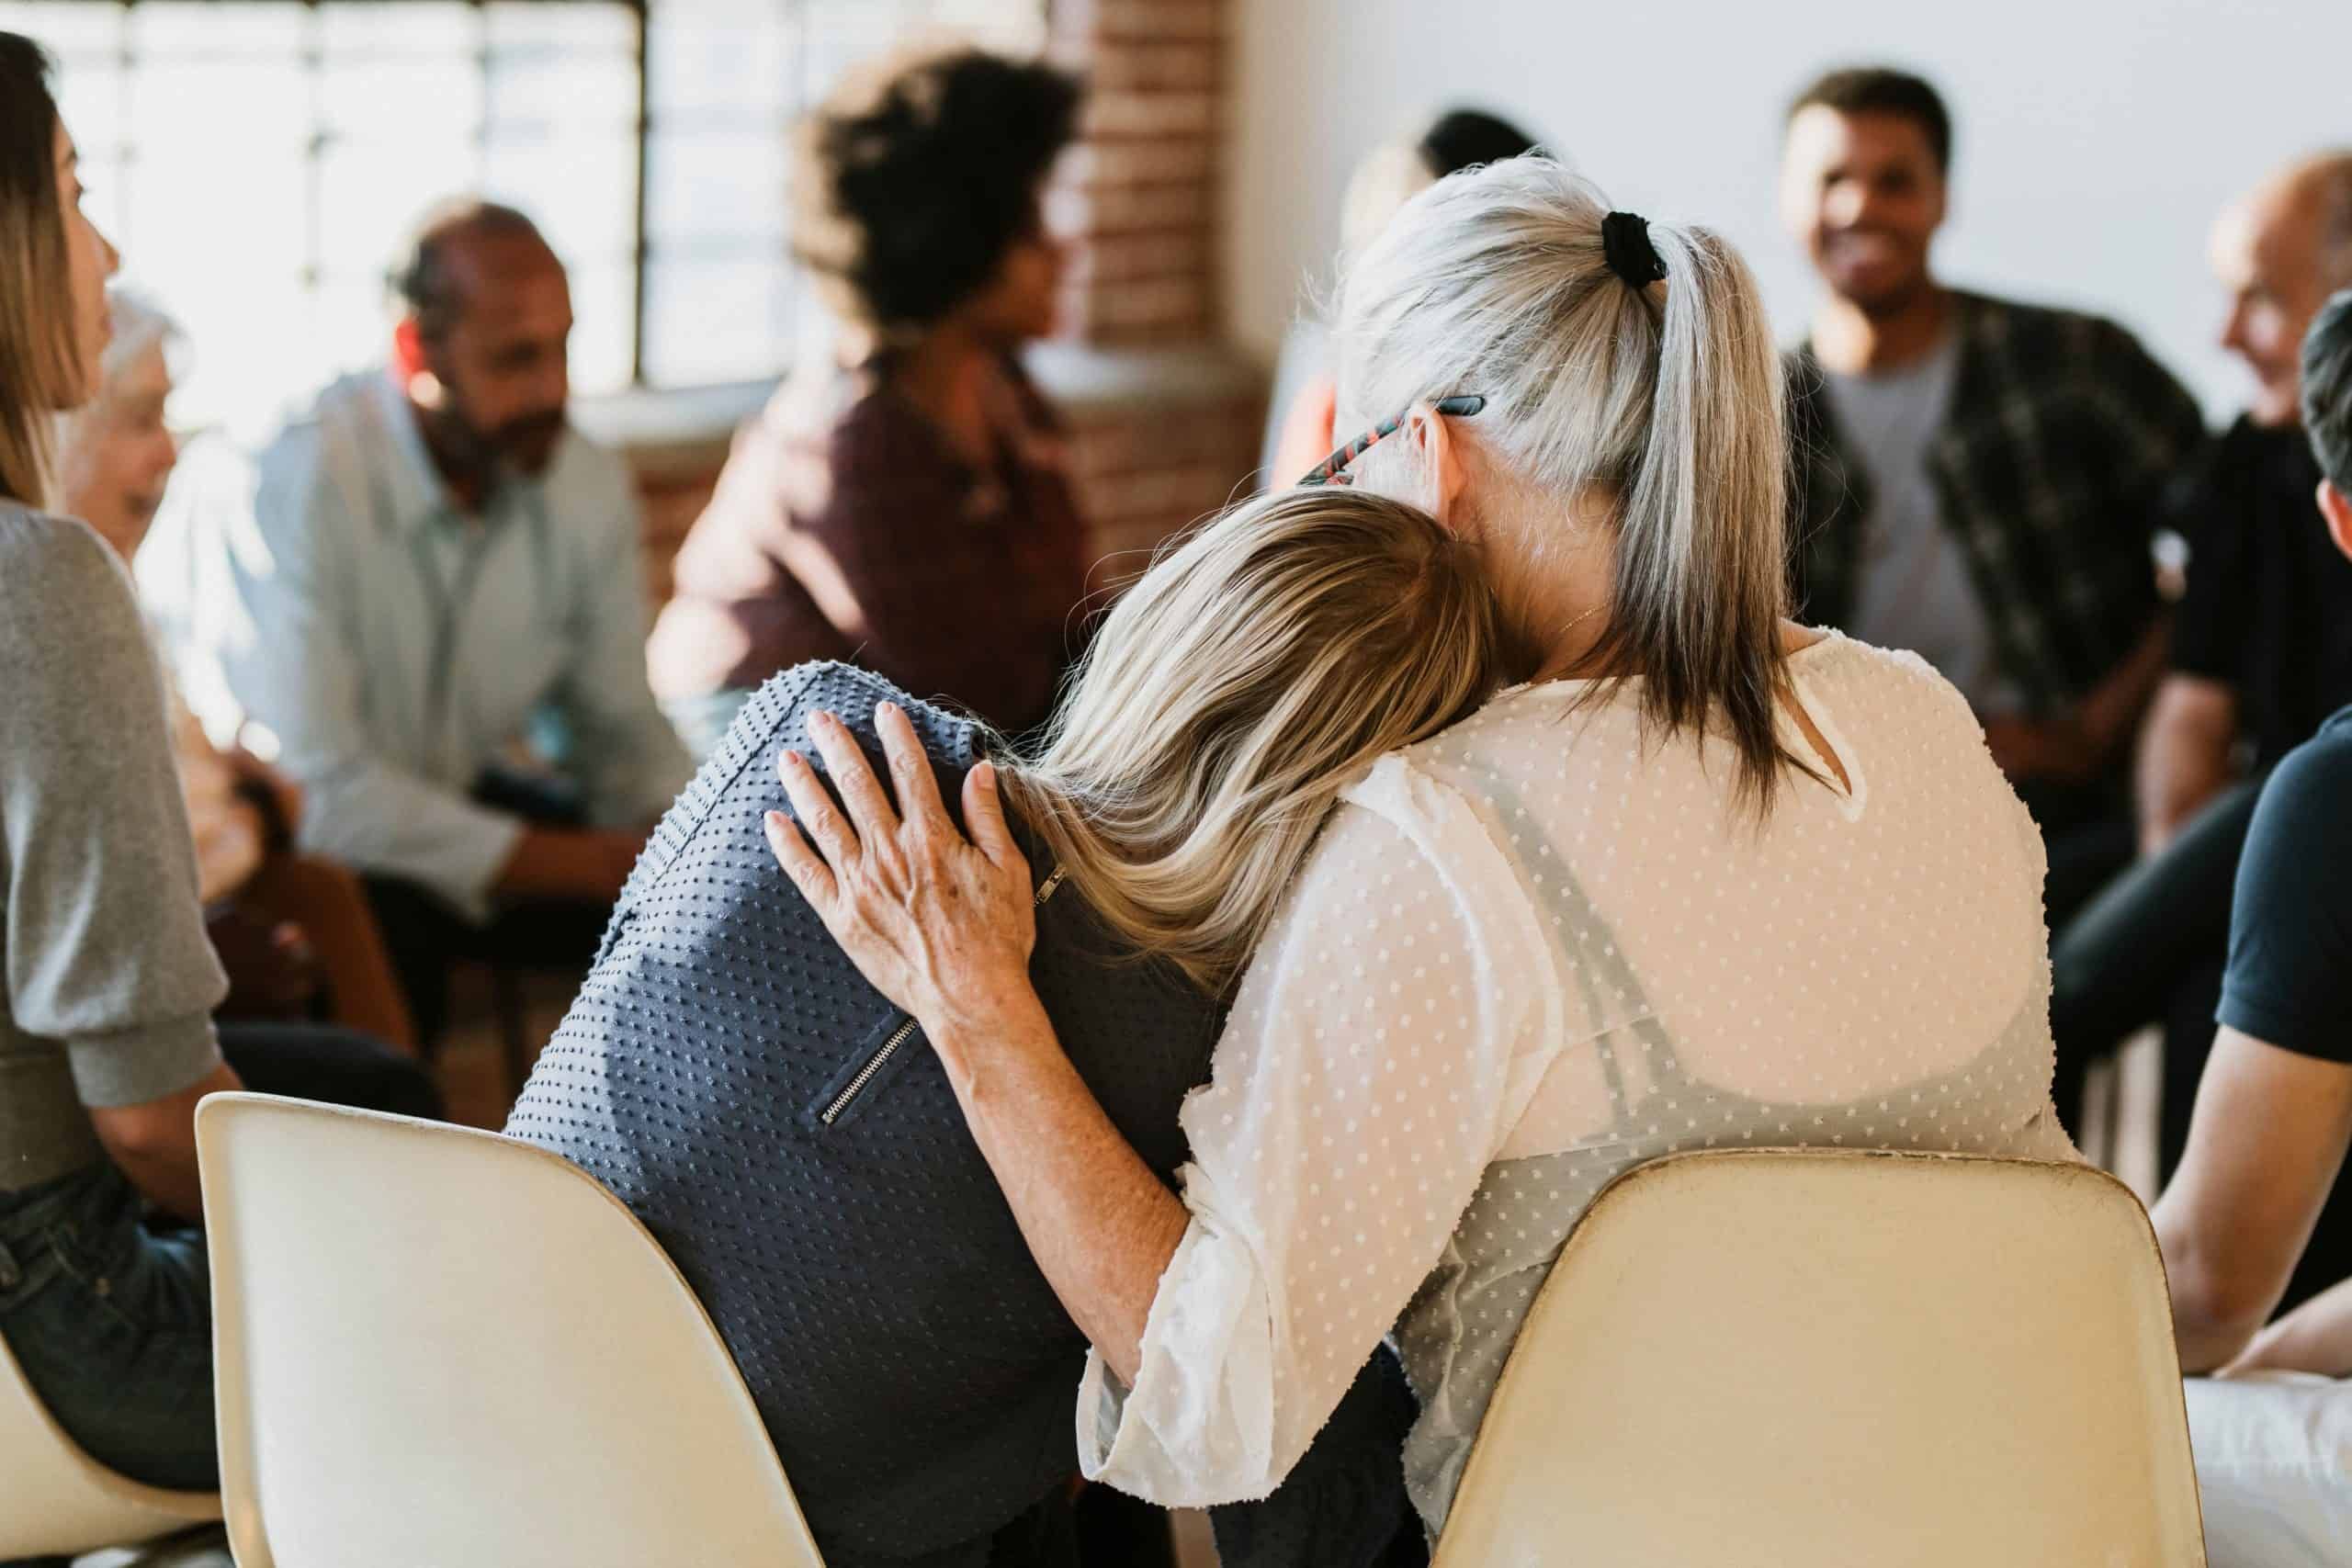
(793, 1142)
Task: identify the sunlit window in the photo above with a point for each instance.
(257, 164)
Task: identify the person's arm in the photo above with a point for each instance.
(153, 1143)
(290, 660)
(627, 756)
(2274, 1109)
(2314, 1337)
(101, 934)
(2264, 1144)
(2185, 754)
(2077, 746)
(1329, 1165)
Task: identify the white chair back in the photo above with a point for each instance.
(55, 1500)
(1785, 1357)
(441, 1346)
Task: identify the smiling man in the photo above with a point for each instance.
(1980, 476)
(435, 564)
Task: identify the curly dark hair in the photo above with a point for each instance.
(915, 177)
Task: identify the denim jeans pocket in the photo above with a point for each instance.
(142, 1280)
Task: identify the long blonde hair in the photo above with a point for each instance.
(1261, 665)
(1664, 399)
(37, 345)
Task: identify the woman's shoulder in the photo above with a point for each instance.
(55, 569)
(1895, 681)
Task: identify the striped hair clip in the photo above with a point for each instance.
(1332, 470)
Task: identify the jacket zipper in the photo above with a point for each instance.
(898, 1036)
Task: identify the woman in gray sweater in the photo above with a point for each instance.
(107, 1040)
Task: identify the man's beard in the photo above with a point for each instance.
(521, 447)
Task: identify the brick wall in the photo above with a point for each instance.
(1176, 434)
(1141, 194)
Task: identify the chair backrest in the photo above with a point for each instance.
(1776, 1356)
(55, 1500)
(436, 1345)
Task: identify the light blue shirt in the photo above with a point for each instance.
(397, 647)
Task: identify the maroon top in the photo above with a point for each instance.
(844, 526)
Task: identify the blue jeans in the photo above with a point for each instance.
(112, 1323)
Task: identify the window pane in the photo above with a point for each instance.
(69, 29)
(580, 191)
(724, 58)
(709, 321)
(372, 193)
(198, 30)
(716, 183)
(368, 30)
(603, 312)
(550, 83)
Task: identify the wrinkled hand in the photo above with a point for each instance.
(940, 924)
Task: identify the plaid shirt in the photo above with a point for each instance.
(2059, 438)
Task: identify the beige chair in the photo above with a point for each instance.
(441, 1346)
(1839, 1358)
(55, 1500)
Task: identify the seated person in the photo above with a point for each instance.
(2273, 1118)
(793, 1140)
(107, 1040)
(2261, 656)
(905, 507)
(1299, 411)
(295, 933)
(1708, 880)
(1977, 478)
(434, 563)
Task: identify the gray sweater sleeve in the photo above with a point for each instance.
(105, 951)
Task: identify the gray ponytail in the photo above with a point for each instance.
(1667, 399)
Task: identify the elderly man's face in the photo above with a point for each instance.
(2265, 251)
(123, 453)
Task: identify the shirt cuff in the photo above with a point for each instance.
(131, 1066)
(1197, 1429)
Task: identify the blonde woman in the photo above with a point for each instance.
(797, 1145)
(1708, 879)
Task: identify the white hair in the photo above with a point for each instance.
(140, 326)
(1664, 399)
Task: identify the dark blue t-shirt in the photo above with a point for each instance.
(2290, 980)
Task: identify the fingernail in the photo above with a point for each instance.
(774, 820)
(883, 710)
(985, 772)
(792, 759)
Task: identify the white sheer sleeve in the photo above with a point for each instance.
(1387, 1037)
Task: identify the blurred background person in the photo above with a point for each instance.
(294, 931)
(437, 566)
(2261, 656)
(2274, 1116)
(1979, 478)
(1306, 389)
(907, 508)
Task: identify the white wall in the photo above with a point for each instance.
(2095, 139)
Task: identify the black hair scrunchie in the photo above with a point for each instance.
(1625, 241)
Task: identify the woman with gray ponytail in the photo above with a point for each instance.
(1705, 879)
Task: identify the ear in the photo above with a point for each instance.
(412, 365)
(1431, 434)
(2336, 507)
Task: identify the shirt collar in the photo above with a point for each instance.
(419, 496)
